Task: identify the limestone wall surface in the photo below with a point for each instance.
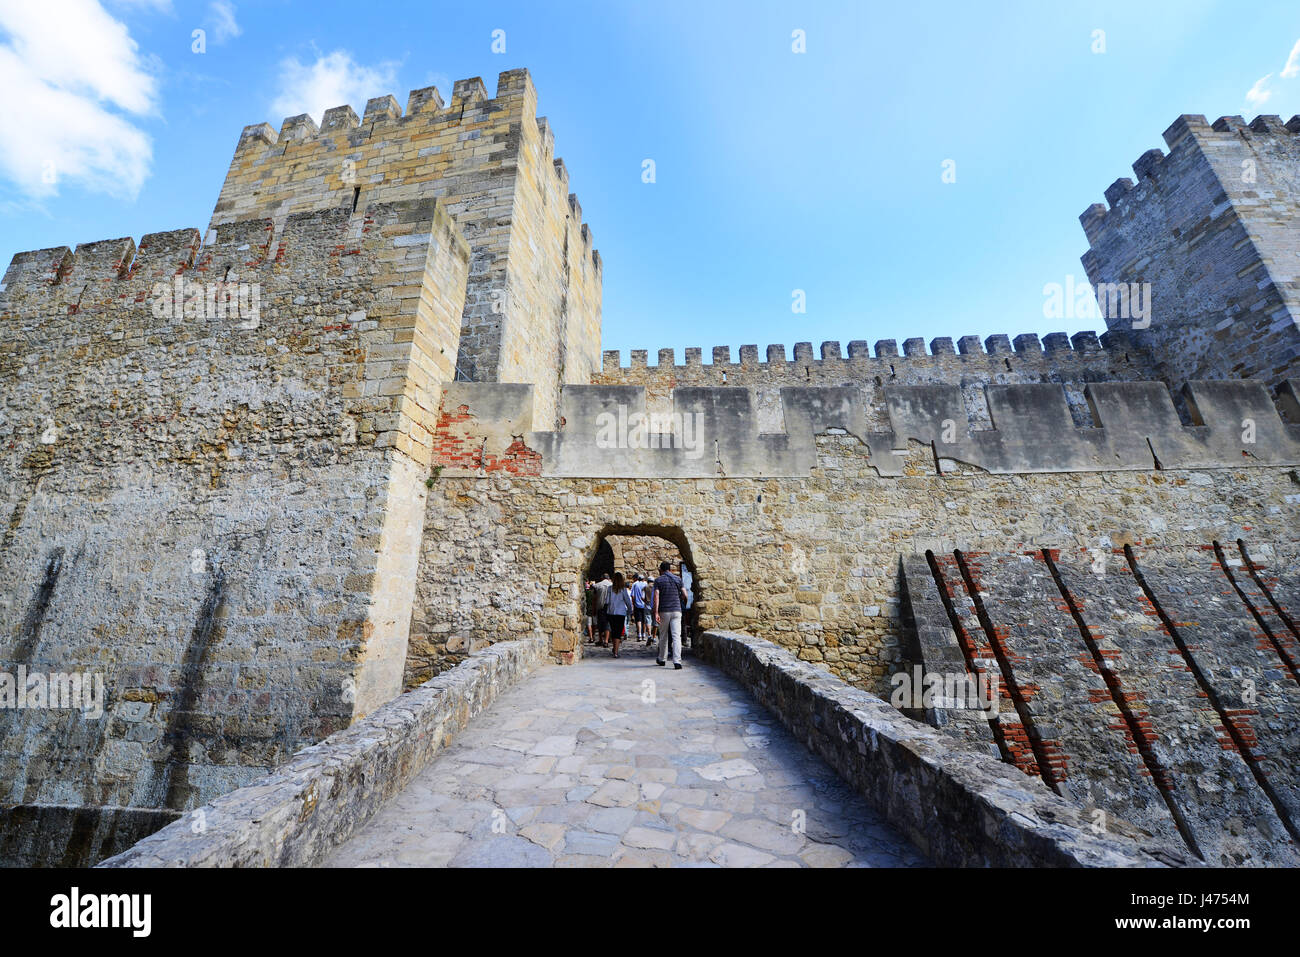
(211, 511)
(642, 554)
(609, 431)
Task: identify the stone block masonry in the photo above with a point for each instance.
(809, 562)
(533, 298)
(215, 512)
(1214, 227)
(608, 431)
(1168, 723)
(43, 835)
(973, 365)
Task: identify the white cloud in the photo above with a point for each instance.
(222, 18)
(1258, 94)
(334, 79)
(63, 65)
(1292, 67)
(162, 6)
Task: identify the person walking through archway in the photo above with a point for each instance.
(619, 609)
(640, 594)
(602, 589)
(669, 597)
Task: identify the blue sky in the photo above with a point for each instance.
(775, 170)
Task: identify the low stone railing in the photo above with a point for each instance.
(299, 812)
(960, 807)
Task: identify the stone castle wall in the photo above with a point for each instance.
(532, 304)
(637, 554)
(811, 562)
(970, 364)
(612, 431)
(214, 512)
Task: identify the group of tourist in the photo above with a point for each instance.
(651, 605)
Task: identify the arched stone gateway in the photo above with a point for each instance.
(638, 549)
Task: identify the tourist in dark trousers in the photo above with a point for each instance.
(649, 592)
(638, 600)
(668, 598)
(619, 609)
(602, 589)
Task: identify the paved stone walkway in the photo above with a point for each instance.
(622, 763)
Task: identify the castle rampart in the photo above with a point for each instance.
(969, 363)
(611, 431)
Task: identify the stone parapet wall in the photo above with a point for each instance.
(959, 807)
(297, 814)
(610, 431)
(1057, 356)
(971, 364)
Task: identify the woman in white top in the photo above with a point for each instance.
(620, 606)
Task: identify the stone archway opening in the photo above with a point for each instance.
(639, 549)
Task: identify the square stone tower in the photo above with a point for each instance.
(532, 303)
(1214, 227)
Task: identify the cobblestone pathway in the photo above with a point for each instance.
(586, 765)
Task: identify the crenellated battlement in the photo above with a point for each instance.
(109, 260)
(111, 272)
(1055, 357)
(1208, 232)
(1189, 132)
(830, 351)
(612, 431)
(342, 139)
